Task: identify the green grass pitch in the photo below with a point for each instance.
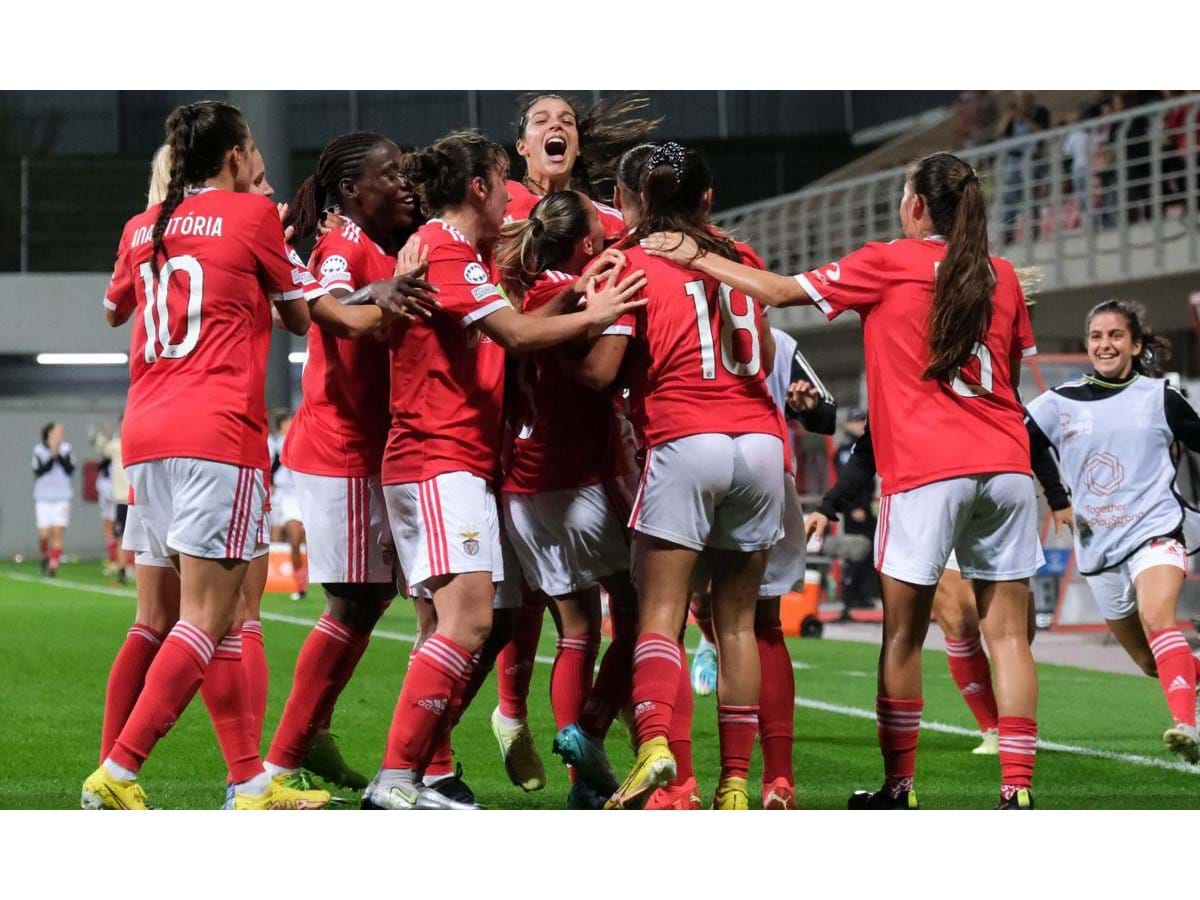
(59, 639)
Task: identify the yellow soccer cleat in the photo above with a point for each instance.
(103, 791)
(521, 760)
(989, 744)
(653, 768)
(731, 794)
(283, 794)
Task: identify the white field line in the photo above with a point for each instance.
(803, 702)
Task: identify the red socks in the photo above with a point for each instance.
(171, 682)
(226, 693)
(899, 722)
(736, 726)
(254, 667)
(776, 704)
(437, 669)
(571, 677)
(125, 680)
(442, 761)
(656, 668)
(614, 681)
(1018, 749)
(111, 546)
(55, 557)
(971, 672)
(514, 665)
(680, 737)
(1176, 673)
(323, 667)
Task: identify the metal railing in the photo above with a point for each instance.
(1126, 207)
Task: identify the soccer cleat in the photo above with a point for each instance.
(454, 788)
(298, 596)
(1022, 799)
(586, 753)
(400, 793)
(1183, 739)
(324, 760)
(521, 760)
(653, 768)
(583, 797)
(676, 796)
(882, 799)
(704, 669)
(990, 745)
(430, 798)
(228, 803)
(103, 791)
(731, 794)
(285, 792)
(779, 794)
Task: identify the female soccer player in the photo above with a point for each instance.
(1114, 431)
(564, 149)
(199, 478)
(954, 602)
(944, 327)
(443, 446)
(53, 464)
(334, 447)
(565, 503)
(712, 483)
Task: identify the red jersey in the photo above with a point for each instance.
(522, 201)
(342, 424)
(564, 434)
(695, 361)
(447, 379)
(202, 329)
(926, 430)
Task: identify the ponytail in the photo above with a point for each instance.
(961, 312)
(198, 137)
(306, 208)
(442, 172)
(544, 241)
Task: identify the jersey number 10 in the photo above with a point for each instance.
(730, 323)
(156, 308)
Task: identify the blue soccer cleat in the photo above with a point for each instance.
(704, 669)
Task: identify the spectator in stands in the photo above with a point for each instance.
(858, 578)
(53, 465)
(1077, 153)
(1024, 116)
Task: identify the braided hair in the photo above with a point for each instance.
(341, 161)
(198, 137)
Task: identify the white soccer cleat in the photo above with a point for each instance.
(1185, 740)
(521, 759)
(990, 744)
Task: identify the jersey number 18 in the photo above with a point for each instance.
(730, 322)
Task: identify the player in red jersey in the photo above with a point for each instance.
(442, 450)
(712, 483)
(334, 447)
(565, 149)
(944, 328)
(197, 479)
(565, 502)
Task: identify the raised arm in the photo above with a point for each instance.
(767, 287)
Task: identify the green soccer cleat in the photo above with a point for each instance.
(324, 760)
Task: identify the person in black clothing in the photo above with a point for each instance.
(859, 582)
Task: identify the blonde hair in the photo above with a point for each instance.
(160, 176)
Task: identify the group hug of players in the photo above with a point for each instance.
(517, 395)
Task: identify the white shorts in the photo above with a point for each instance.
(52, 513)
(568, 540)
(104, 495)
(713, 490)
(286, 504)
(1114, 590)
(206, 509)
(988, 521)
(785, 562)
(345, 529)
(444, 526)
(262, 545)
